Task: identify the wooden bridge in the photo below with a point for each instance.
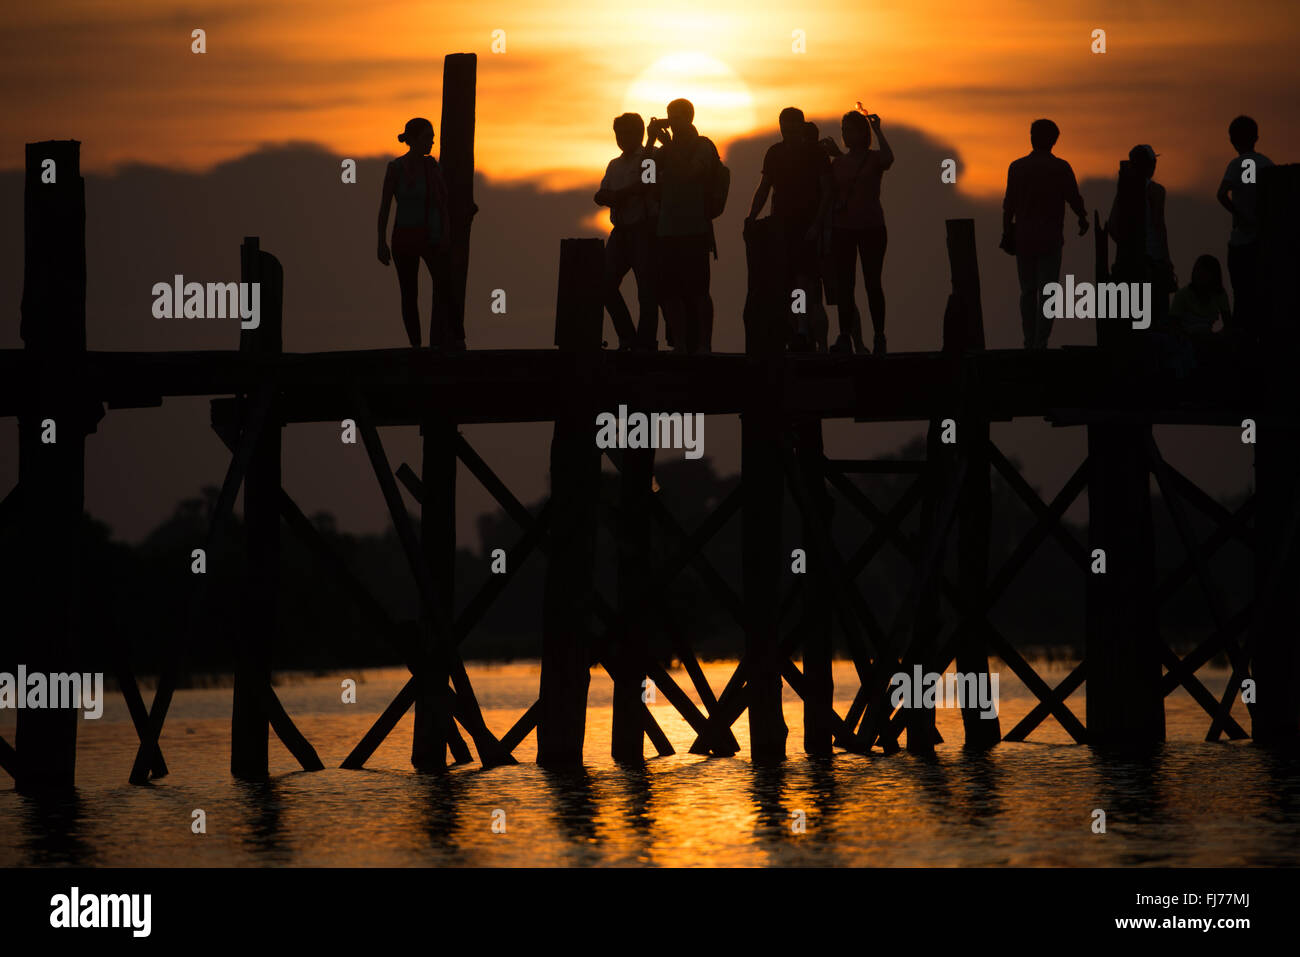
(1116, 391)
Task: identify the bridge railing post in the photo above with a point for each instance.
(459, 79)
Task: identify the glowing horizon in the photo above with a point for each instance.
(128, 86)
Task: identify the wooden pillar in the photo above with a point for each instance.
(52, 428)
(819, 682)
(926, 623)
(575, 486)
(633, 578)
(249, 726)
(456, 156)
(762, 490)
(433, 718)
(975, 505)
(1275, 648)
(1125, 700)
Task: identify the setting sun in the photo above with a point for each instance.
(724, 106)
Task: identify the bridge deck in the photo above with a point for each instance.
(532, 385)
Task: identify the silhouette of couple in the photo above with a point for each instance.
(663, 195)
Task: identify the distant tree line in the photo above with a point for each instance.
(136, 596)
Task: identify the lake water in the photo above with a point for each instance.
(1190, 803)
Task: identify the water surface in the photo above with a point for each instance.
(1189, 803)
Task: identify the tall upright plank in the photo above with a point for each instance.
(762, 490)
(575, 485)
(1275, 647)
(54, 420)
(250, 725)
(975, 503)
(459, 76)
(1125, 706)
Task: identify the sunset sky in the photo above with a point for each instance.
(345, 74)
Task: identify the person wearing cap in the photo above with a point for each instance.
(1159, 269)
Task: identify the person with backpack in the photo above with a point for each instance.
(692, 193)
(420, 231)
(797, 174)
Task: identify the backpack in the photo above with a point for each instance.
(719, 185)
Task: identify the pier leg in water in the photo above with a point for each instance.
(633, 579)
(52, 430)
(575, 489)
(1275, 648)
(963, 333)
(762, 488)
(438, 539)
(250, 726)
(816, 624)
(1125, 703)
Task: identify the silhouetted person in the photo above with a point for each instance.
(858, 228)
(1039, 187)
(420, 231)
(633, 209)
(1157, 267)
(688, 165)
(1203, 301)
(797, 174)
(1238, 193)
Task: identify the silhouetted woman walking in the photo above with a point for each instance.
(421, 231)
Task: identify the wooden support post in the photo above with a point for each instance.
(575, 485)
(926, 622)
(633, 579)
(819, 684)
(433, 728)
(762, 490)
(975, 508)
(250, 726)
(1275, 648)
(52, 429)
(459, 76)
(147, 754)
(1125, 704)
